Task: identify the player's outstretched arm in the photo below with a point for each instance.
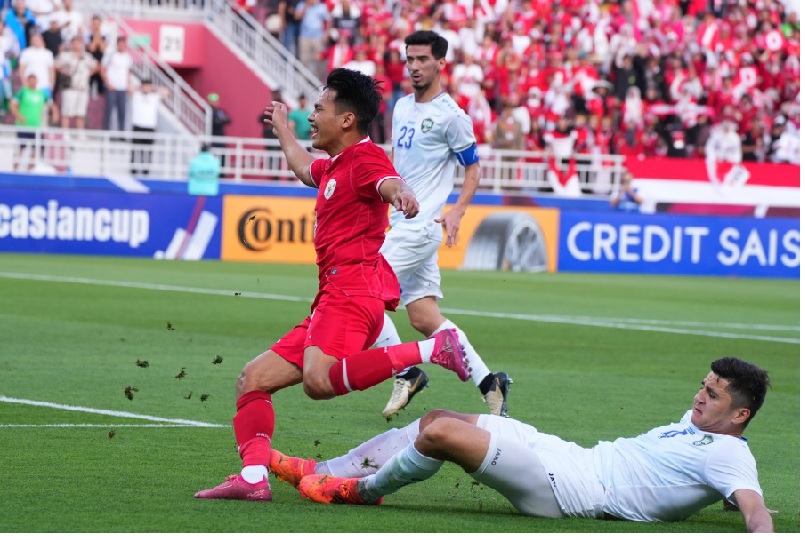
(397, 193)
(451, 220)
(754, 511)
(299, 159)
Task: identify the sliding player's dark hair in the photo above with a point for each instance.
(747, 383)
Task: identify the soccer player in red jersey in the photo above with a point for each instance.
(327, 351)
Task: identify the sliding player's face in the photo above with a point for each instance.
(713, 410)
(423, 68)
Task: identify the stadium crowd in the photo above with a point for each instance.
(638, 77)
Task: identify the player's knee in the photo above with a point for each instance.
(424, 323)
(422, 326)
(436, 435)
(424, 315)
(429, 418)
(317, 387)
(246, 380)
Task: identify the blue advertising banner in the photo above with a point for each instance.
(109, 223)
(662, 244)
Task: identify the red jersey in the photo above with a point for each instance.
(530, 78)
(533, 143)
(792, 47)
(396, 72)
(584, 141)
(707, 35)
(351, 223)
(629, 146)
(245, 5)
(747, 113)
(650, 141)
(338, 55)
(534, 49)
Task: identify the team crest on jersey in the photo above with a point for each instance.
(707, 439)
(329, 188)
(427, 125)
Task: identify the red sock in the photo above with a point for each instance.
(369, 368)
(254, 427)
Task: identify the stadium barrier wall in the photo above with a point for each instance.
(662, 244)
(109, 223)
(280, 229)
(498, 233)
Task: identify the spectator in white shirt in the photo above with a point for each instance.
(78, 65)
(42, 10)
(144, 119)
(37, 59)
(9, 49)
(633, 107)
(9, 44)
(468, 77)
(116, 69)
(361, 62)
(786, 148)
(73, 21)
(448, 30)
(723, 155)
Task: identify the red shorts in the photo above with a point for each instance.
(340, 325)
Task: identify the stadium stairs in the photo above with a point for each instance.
(215, 50)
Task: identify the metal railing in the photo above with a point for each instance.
(263, 52)
(183, 102)
(169, 10)
(114, 154)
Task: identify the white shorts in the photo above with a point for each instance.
(523, 464)
(412, 253)
(74, 102)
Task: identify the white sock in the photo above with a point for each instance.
(368, 457)
(254, 473)
(479, 369)
(426, 349)
(405, 467)
(388, 335)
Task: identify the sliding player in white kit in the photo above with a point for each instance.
(429, 134)
(666, 474)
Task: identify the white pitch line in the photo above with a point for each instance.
(151, 286)
(604, 322)
(622, 326)
(106, 412)
(738, 326)
(104, 426)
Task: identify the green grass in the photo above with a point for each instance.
(76, 343)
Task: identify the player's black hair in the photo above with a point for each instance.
(356, 93)
(438, 44)
(747, 383)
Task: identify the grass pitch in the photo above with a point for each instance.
(594, 357)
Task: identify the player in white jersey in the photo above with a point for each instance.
(430, 134)
(666, 474)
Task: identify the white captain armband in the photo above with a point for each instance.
(468, 156)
